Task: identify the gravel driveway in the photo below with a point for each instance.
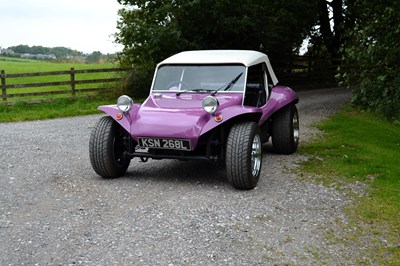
(55, 210)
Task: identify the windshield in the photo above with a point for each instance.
(200, 78)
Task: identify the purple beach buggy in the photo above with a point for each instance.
(217, 105)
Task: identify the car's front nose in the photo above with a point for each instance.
(170, 124)
(171, 117)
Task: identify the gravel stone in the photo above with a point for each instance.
(55, 210)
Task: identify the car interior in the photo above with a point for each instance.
(256, 94)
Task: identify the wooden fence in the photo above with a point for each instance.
(71, 83)
(305, 72)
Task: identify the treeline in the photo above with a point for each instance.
(56, 54)
(59, 52)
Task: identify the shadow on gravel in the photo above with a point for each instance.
(177, 172)
(268, 148)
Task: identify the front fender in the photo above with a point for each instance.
(227, 114)
(279, 98)
(125, 122)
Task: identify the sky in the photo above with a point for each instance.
(83, 25)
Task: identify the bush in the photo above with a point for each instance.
(390, 105)
(375, 48)
(138, 82)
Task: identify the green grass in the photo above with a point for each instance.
(47, 110)
(19, 65)
(360, 147)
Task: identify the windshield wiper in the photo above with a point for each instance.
(195, 90)
(229, 85)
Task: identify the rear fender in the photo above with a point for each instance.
(228, 114)
(126, 120)
(280, 97)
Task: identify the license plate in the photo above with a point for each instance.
(172, 144)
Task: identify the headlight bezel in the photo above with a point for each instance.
(210, 104)
(124, 103)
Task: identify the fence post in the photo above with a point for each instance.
(72, 81)
(3, 85)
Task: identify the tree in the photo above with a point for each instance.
(94, 57)
(373, 44)
(156, 29)
(153, 30)
(20, 49)
(331, 25)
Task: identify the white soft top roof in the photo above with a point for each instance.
(245, 57)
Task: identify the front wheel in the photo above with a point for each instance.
(106, 149)
(244, 155)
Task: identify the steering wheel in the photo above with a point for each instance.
(177, 82)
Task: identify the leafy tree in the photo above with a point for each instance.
(363, 34)
(153, 30)
(20, 49)
(62, 52)
(94, 57)
(40, 50)
(373, 44)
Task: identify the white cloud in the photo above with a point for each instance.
(82, 25)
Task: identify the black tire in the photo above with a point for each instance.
(285, 130)
(243, 158)
(106, 149)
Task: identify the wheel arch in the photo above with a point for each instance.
(233, 115)
(280, 98)
(126, 120)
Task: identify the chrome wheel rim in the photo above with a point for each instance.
(256, 152)
(296, 127)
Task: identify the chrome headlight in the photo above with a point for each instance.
(124, 103)
(210, 104)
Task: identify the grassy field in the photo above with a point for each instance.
(359, 148)
(18, 65)
(62, 105)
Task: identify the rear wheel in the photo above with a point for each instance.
(106, 149)
(244, 155)
(285, 130)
